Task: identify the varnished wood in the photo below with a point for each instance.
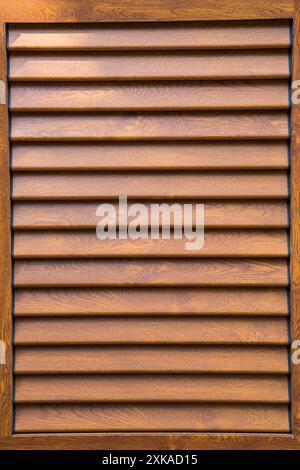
(83, 244)
(103, 272)
(67, 11)
(280, 439)
(5, 253)
(139, 96)
(151, 359)
(167, 417)
(160, 36)
(151, 388)
(153, 440)
(148, 185)
(150, 156)
(159, 330)
(149, 65)
(148, 301)
(78, 215)
(295, 234)
(150, 126)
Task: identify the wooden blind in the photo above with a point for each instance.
(143, 335)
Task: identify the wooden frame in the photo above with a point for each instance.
(5, 250)
(62, 11)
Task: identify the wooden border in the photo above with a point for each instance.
(151, 441)
(5, 250)
(295, 227)
(136, 10)
(32, 11)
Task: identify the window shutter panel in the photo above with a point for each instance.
(144, 335)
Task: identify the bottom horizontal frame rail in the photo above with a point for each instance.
(151, 441)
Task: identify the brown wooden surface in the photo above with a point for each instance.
(151, 388)
(151, 441)
(173, 185)
(34, 11)
(184, 330)
(255, 291)
(150, 156)
(148, 301)
(85, 244)
(78, 214)
(151, 359)
(103, 272)
(149, 65)
(151, 417)
(295, 237)
(150, 96)
(217, 243)
(150, 126)
(244, 35)
(5, 253)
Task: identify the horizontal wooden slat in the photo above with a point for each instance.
(142, 359)
(215, 185)
(150, 156)
(150, 65)
(254, 34)
(150, 96)
(83, 244)
(151, 301)
(72, 215)
(150, 126)
(146, 417)
(151, 388)
(147, 272)
(157, 330)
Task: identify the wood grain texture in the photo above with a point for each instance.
(150, 36)
(158, 96)
(151, 359)
(167, 417)
(5, 253)
(295, 234)
(168, 439)
(82, 215)
(149, 66)
(149, 126)
(184, 330)
(231, 272)
(151, 388)
(240, 329)
(83, 244)
(153, 440)
(35, 11)
(148, 301)
(147, 185)
(149, 156)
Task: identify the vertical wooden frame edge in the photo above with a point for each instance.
(295, 227)
(5, 249)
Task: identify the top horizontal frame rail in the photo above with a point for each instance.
(48, 11)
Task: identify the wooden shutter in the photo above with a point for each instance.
(144, 335)
(138, 345)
